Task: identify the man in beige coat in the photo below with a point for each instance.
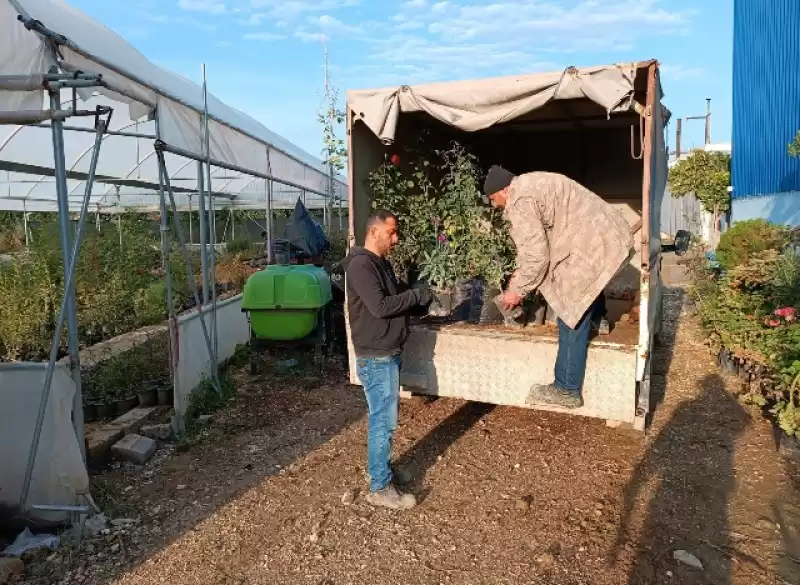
(570, 244)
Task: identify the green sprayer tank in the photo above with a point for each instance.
(285, 302)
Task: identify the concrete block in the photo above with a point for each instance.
(134, 448)
(99, 441)
(162, 432)
(133, 420)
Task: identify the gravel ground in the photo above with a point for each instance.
(274, 493)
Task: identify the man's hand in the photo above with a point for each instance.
(510, 300)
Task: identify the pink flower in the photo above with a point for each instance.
(773, 323)
(788, 313)
(442, 238)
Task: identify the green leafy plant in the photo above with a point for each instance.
(745, 238)
(706, 175)
(445, 228)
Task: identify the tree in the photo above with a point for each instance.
(707, 175)
(334, 151)
(794, 146)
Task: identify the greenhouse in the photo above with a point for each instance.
(91, 129)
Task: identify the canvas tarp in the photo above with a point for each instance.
(478, 104)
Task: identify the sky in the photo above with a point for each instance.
(266, 57)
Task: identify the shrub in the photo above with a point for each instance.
(746, 238)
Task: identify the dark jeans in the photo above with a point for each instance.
(381, 379)
(573, 347)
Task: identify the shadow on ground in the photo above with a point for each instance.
(691, 463)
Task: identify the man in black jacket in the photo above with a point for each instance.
(379, 307)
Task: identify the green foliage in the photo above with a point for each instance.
(752, 311)
(707, 175)
(794, 145)
(444, 225)
(746, 238)
(334, 151)
(124, 374)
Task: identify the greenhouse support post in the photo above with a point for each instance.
(65, 233)
(201, 206)
(71, 262)
(162, 166)
(268, 185)
(212, 223)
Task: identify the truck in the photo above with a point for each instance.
(601, 126)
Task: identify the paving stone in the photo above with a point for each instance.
(134, 448)
(161, 432)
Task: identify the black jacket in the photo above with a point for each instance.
(378, 304)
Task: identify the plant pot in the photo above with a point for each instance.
(483, 310)
(442, 303)
(462, 299)
(89, 413)
(104, 410)
(166, 396)
(125, 405)
(147, 397)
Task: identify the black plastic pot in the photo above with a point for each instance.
(483, 310)
(442, 304)
(89, 413)
(104, 410)
(166, 397)
(147, 397)
(126, 405)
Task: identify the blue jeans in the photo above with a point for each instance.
(573, 347)
(381, 379)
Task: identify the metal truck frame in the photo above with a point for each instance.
(498, 366)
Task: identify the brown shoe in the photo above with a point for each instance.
(390, 497)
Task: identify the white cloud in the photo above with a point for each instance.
(311, 37)
(263, 36)
(293, 9)
(281, 24)
(210, 6)
(331, 24)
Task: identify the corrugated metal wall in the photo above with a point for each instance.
(766, 96)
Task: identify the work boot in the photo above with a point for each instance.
(552, 395)
(390, 497)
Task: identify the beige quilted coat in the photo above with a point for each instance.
(570, 243)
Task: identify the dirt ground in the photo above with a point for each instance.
(507, 495)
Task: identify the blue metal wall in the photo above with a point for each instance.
(766, 98)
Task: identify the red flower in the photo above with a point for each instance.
(395, 159)
(788, 313)
(773, 323)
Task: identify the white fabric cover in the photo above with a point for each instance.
(137, 88)
(58, 474)
(478, 104)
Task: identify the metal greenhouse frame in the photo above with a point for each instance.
(44, 74)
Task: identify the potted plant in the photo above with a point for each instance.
(166, 395)
(439, 272)
(89, 412)
(148, 394)
(104, 408)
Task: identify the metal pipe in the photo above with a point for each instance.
(70, 262)
(708, 120)
(190, 220)
(66, 244)
(203, 231)
(268, 184)
(26, 117)
(212, 225)
(223, 165)
(182, 240)
(22, 82)
(678, 135)
(109, 133)
(168, 277)
(62, 40)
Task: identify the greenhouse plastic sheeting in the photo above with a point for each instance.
(58, 474)
(138, 90)
(193, 361)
